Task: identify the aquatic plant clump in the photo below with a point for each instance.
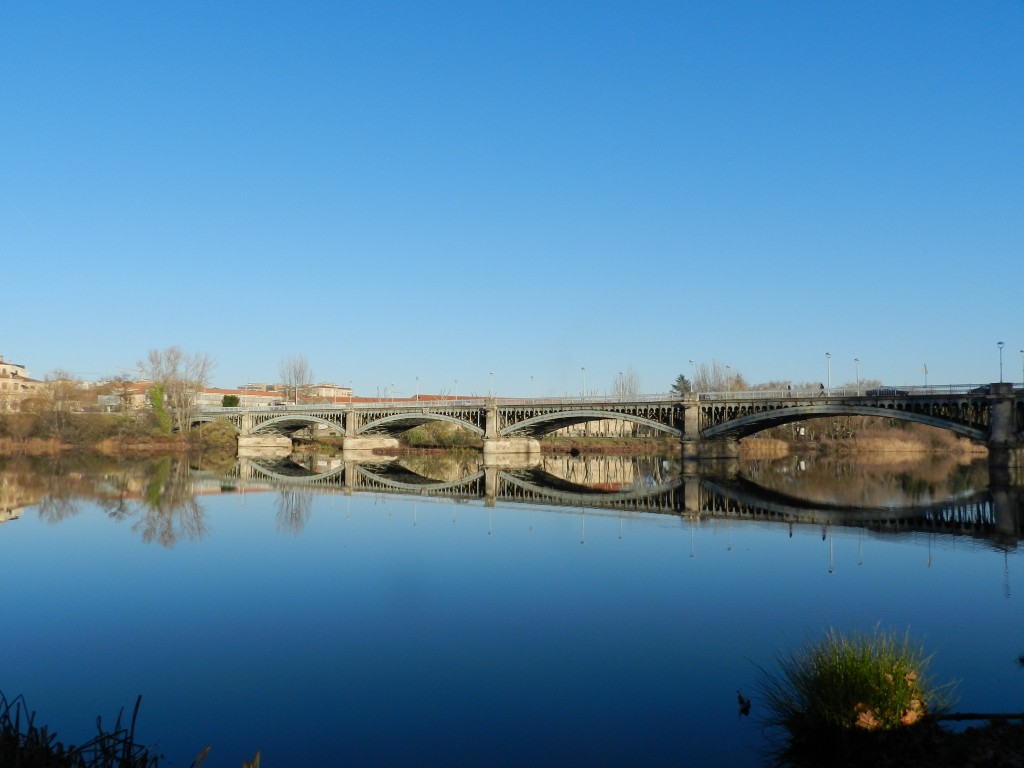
(866, 682)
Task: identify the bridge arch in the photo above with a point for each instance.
(209, 419)
(287, 423)
(752, 423)
(546, 423)
(402, 422)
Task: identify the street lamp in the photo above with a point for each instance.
(531, 387)
(417, 389)
(456, 389)
(1022, 366)
(583, 394)
(728, 378)
(856, 363)
(490, 386)
(622, 386)
(1000, 345)
(828, 376)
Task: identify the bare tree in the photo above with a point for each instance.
(61, 393)
(716, 377)
(295, 375)
(626, 384)
(182, 376)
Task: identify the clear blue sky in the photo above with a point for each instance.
(445, 189)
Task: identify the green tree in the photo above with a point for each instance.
(230, 401)
(163, 418)
(681, 386)
(181, 377)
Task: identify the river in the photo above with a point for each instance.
(429, 610)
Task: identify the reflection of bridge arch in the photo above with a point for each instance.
(542, 424)
(542, 487)
(289, 473)
(378, 479)
(743, 499)
(748, 419)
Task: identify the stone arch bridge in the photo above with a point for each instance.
(709, 425)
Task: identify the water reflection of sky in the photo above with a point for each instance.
(393, 630)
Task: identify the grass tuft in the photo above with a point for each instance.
(842, 685)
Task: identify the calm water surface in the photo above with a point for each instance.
(323, 627)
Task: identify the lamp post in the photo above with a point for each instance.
(856, 363)
(1000, 345)
(417, 389)
(828, 373)
(531, 387)
(490, 385)
(1022, 367)
(456, 389)
(728, 378)
(583, 393)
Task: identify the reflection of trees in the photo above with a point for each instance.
(62, 486)
(294, 506)
(169, 511)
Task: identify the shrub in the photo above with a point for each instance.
(869, 682)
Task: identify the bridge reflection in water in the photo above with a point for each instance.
(637, 485)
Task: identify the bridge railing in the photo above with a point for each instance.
(461, 402)
(599, 400)
(834, 392)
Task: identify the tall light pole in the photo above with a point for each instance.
(456, 389)
(1000, 345)
(417, 389)
(531, 387)
(490, 385)
(621, 387)
(828, 374)
(1022, 366)
(728, 378)
(856, 363)
(583, 394)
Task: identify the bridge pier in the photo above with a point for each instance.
(721, 448)
(1005, 449)
(495, 449)
(367, 444)
(261, 445)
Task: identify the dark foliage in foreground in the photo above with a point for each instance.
(23, 744)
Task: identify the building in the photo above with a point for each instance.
(15, 385)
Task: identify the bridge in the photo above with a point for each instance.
(708, 424)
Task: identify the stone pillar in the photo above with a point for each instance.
(691, 418)
(491, 420)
